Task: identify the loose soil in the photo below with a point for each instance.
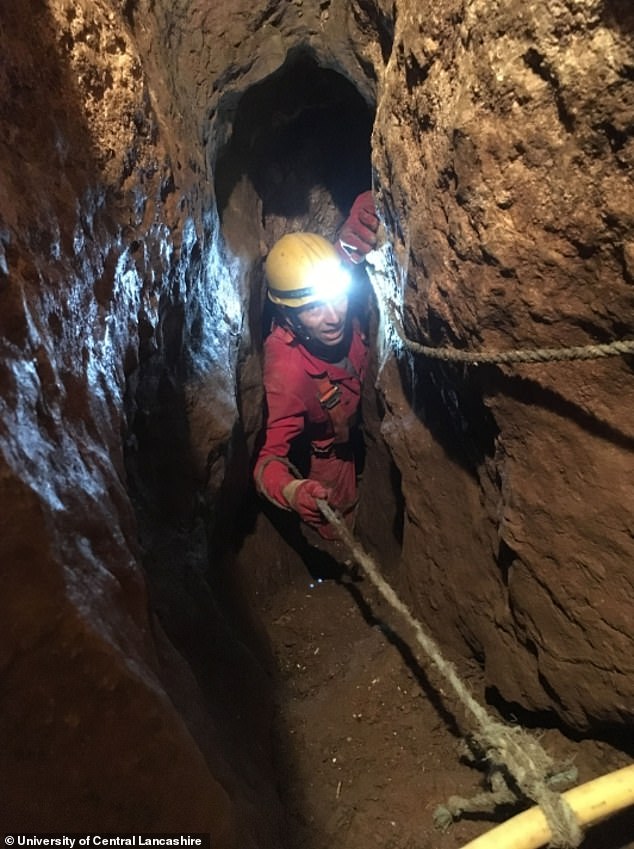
(367, 744)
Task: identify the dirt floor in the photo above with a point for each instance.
(367, 747)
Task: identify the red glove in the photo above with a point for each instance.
(358, 234)
(302, 498)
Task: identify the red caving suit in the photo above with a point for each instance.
(292, 385)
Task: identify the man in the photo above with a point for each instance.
(314, 364)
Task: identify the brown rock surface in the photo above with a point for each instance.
(506, 160)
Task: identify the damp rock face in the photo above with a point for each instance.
(106, 255)
(152, 153)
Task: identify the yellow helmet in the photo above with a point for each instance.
(302, 268)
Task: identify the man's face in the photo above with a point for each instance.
(325, 321)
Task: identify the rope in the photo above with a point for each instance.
(510, 747)
(519, 355)
(500, 794)
(485, 803)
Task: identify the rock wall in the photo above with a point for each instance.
(113, 296)
(504, 152)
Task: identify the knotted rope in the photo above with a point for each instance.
(518, 355)
(511, 748)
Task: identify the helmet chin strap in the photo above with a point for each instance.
(292, 321)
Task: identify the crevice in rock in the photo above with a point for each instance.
(450, 402)
(290, 163)
(506, 556)
(538, 63)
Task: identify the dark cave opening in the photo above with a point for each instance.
(302, 139)
(297, 155)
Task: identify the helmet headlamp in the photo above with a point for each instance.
(325, 281)
(303, 268)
